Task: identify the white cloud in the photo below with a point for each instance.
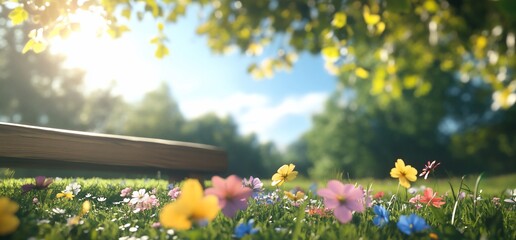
(257, 113)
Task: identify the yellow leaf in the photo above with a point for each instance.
(254, 49)
(339, 20)
(18, 15)
(446, 65)
(161, 51)
(481, 42)
(154, 40)
(39, 47)
(331, 53)
(423, 89)
(160, 27)
(410, 81)
(28, 46)
(126, 13)
(431, 6)
(380, 27)
(361, 73)
(370, 19)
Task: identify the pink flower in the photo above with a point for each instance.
(41, 183)
(429, 167)
(343, 199)
(174, 193)
(231, 194)
(430, 198)
(125, 192)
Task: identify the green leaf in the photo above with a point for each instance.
(18, 15)
(399, 6)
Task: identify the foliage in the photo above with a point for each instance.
(42, 215)
(391, 44)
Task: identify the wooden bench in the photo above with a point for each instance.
(23, 146)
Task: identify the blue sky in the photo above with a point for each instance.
(277, 109)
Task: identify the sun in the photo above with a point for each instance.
(106, 61)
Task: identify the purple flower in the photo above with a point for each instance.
(382, 216)
(253, 183)
(343, 199)
(412, 224)
(41, 183)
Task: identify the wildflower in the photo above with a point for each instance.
(379, 195)
(245, 229)
(297, 198)
(101, 199)
(343, 199)
(404, 173)
(496, 201)
(65, 194)
(285, 173)
(191, 207)
(433, 236)
(8, 220)
(156, 225)
(58, 210)
(430, 198)
(253, 183)
(462, 195)
(382, 216)
(73, 187)
(35, 200)
(322, 212)
(125, 192)
(366, 200)
(512, 198)
(231, 194)
(174, 193)
(41, 183)
(429, 167)
(411, 224)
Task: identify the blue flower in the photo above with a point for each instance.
(412, 224)
(245, 228)
(382, 216)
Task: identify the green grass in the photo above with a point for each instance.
(491, 185)
(281, 220)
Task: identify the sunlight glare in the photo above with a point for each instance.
(106, 61)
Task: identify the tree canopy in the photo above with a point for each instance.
(385, 42)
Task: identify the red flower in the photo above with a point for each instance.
(379, 195)
(430, 197)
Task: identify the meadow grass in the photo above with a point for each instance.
(44, 216)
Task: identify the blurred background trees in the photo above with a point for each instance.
(418, 79)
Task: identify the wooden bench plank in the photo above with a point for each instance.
(29, 146)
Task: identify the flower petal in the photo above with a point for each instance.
(343, 214)
(395, 173)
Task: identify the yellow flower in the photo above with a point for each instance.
(8, 221)
(404, 173)
(68, 195)
(191, 206)
(86, 205)
(299, 196)
(285, 173)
